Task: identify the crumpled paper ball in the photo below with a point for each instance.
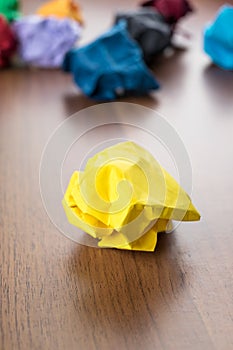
(8, 43)
(61, 9)
(9, 8)
(172, 10)
(111, 66)
(218, 38)
(44, 42)
(124, 198)
(149, 29)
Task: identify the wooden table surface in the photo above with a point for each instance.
(56, 294)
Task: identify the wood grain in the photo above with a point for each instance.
(55, 294)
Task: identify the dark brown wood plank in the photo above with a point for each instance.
(55, 294)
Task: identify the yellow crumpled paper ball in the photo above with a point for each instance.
(124, 198)
(61, 9)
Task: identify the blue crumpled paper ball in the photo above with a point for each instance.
(111, 66)
(218, 38)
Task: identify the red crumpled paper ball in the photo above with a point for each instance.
(8, 43)
(172, 10)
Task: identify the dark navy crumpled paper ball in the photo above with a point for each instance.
(149, 29)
